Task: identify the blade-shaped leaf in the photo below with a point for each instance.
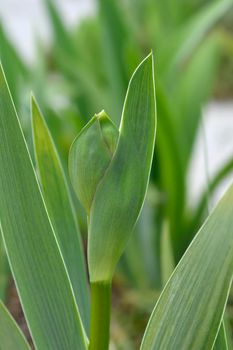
(114, 36)
(61, 212)
(62, 37)
(72, 63)
(193, 32)
(139, 261)
(120, 194)
(11, 337)
(16, 69)
(171, 175)
(167, 260)
(190, 309)
(32, 249)
(221, 174)
(190, 95)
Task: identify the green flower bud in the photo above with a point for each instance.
(90, 155)
(110, 172)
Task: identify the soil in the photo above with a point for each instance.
(14, 306)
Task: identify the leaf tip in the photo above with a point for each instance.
(35, 110)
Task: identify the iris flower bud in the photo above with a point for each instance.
(110, 170)
(90, 155)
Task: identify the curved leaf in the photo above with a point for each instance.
(61, 212)
(189, 311)
(193, 32)
(221, 174)
(120, 194)
(191, 91)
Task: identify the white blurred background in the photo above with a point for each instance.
(26, 19)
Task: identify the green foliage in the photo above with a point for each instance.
(60, 209)
(190, 308)
(121, 172)
(34, 256)
(92, 65)
(112, 44)
(36, 246)
(95, 61)
(16, 69)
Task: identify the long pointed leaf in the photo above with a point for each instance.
(221, 174)
(188, 314)
(193, 32)
(114, 37)
(120, 194)
(63, 40)
(171, 175)
(32, 249)
(61, 212)
(16, 69)
(204, 63)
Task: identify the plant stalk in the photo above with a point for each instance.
(100, 316)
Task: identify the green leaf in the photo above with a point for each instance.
(16, 69)
(140, 263)
(190, 309)
(35, 259)
(70, 60)
(114, 35)
(63, 40)
(10, 334)
(221, 174)
(167, 260)
(191, 91)
(193, 32)
(121, 192)
(60, 209)
(171, 175)
(221, 340)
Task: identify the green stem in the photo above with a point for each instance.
(100, 316)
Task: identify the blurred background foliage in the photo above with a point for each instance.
(87, 68)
